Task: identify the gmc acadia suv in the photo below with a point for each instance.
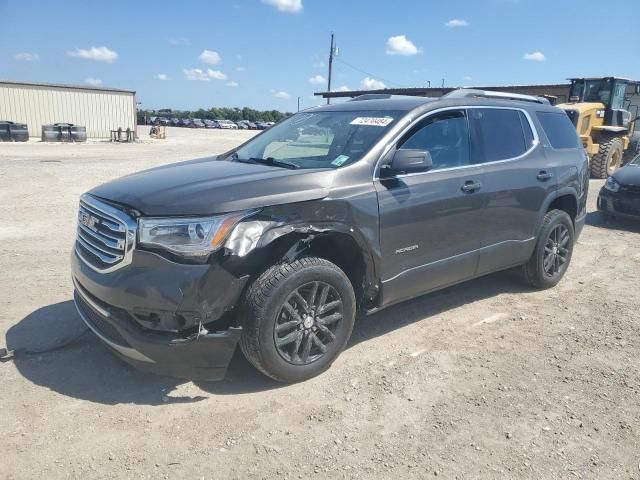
(343, 209)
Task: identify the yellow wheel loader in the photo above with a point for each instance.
(603, 115)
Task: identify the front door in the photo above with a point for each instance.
(429, 222)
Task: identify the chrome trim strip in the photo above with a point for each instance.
(107, 242)
(88, 300)
(412, 123)
(116, 226)
(98, 252)
(477, 250)
(103, 234)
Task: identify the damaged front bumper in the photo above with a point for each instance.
(109, 304)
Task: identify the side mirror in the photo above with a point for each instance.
(411, 161)
(637, 89)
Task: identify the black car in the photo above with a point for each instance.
(620, 195)
(13, 132)
(277, 244)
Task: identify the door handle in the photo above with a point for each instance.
(470, 186)
(543, 175)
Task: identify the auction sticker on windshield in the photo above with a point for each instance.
(372, 121)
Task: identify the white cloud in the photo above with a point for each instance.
(536, 56)
(27, 57)
(401, 45)
(161, 76)
(232, 83)
(203, 75)
(210, 57)
(93, 81)
(371, 84)
(180, 41)
(288, 6)
(343, 88)
(317, 80)
(467, 78)
(456, 22)
(281, 95)
(99, 54)
(241, 69)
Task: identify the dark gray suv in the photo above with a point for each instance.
(278, 244)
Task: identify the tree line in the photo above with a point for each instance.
(233, 114)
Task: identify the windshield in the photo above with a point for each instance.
(598, 90)
(319, 139)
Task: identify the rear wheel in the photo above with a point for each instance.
(608, 159)
(553, 251)
(297, 319)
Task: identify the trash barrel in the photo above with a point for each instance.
(78, 133)
(50, 133)
(19, 132)
(5, 132)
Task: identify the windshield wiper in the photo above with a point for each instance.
(272, 162)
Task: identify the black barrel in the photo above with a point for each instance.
(19, 132)
(50, 133)
(5, 132)
(78, 133)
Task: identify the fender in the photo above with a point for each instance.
(561, 192)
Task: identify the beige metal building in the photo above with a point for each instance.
(99, 109)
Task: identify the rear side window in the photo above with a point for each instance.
(559, 129)
(500, 133)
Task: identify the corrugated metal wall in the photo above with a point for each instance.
(99, 110)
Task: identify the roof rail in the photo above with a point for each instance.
(470, 92)
(371, 96)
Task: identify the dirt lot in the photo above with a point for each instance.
(484, 380)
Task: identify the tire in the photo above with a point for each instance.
(535, 272)
(608, 159)
(633, 150)
(267, 317)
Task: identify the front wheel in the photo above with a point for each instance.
(297, 318)
(553, 251)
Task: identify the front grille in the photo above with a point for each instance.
(105, 235)
(97, 322)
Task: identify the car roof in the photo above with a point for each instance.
(408, 104)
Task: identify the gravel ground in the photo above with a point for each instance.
(488, 379)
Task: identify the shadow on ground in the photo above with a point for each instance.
(87, 370)
(598, 220)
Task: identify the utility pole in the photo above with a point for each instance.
(332, 52)
(298, 103)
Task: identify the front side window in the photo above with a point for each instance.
(445, 136)
(328, 139)
(501, 134)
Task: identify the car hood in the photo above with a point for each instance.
(209, 186)
(629, 175)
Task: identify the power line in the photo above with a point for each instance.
(367, 73)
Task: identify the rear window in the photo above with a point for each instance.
(502, 133)
(559, 129)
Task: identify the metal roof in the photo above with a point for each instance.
(62, 85)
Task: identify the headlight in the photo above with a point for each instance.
(612, 185)
(187, 236)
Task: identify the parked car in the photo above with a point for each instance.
(209, 124)
(174, 122)
(175, 266)
(13, 132)
(197, 123)
(620, 195)
(242, 125)
(226, 124)
(251, 125)
(185, 122)
(161, 121)
(261, 126)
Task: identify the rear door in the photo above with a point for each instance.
(428, 221)
(518, 178)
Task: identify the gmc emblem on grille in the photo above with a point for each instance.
(88, 221)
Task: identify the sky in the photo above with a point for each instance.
(265, 54)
